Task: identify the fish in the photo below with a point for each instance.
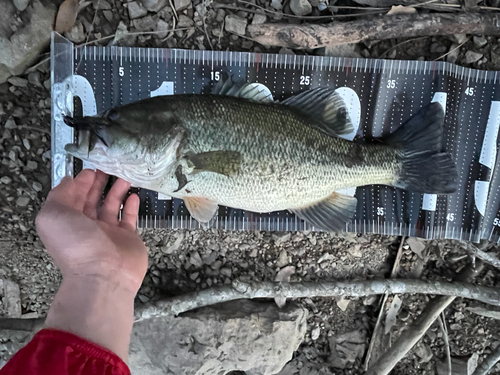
(239, 148)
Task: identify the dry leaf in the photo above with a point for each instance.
(392, 313)
(401, 9)
(66, 16)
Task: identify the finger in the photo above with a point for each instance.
(130, 212)
(111, 206)
(95, 194)
(62, 193)
(82, 184)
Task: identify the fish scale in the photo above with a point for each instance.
(386, 93)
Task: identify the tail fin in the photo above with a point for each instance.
(426, 168)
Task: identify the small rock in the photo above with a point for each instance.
(26, 144)
(324, 257)
(31, 165)
(342, 303)
(194, 275)
(221, 14)
(77, 33)
(235, 24)
(185, 21)
(143, 298)
(278, 240)
(480, 41)
(282, 259)
(471, 57)
(247, 44)
(136, 10)
(162, 26)
(35, 78)
(315, 333)
(286, 51)
(259, 19)
(343, 50)
(18, 81)
(216, 265)
(225, 271)
(300, 7)
(276, 4)
(181, 4)
(11, 298)
(195, 259)
(437, 48)
(355, 251)
(424, 352)
(154, 5)
(10, 123)
(21, 5)
(6, 180)
(37, 186)
(453, 53)
(23, 201)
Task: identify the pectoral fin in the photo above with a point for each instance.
(223, 162)
(330, 214)
(202, 209)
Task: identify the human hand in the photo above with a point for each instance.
(85, 237)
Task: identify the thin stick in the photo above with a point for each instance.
(491, 360)
(271, 290)
(442, 325)
(453, 50)
(484, 256)
(333, 16)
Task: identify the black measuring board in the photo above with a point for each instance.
(380, 94)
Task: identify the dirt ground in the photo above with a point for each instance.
(183, 261)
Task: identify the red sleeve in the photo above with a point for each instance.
(61, 353)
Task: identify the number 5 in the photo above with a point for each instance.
(121, 71)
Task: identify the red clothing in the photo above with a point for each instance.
(61, 353)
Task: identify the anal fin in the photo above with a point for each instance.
(202, 209)
(330, 214)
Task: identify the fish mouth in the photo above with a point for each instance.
(89, 144)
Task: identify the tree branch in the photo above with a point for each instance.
(242, 290)
(414, 333)
(488, 362)
(398, 26)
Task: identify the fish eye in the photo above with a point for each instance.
(112, 115)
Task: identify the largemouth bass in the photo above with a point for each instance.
(250, 154)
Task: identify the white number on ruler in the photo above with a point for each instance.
(305, 80)
(450, 217)
(380, 211)
(121, 71)
(391, 83)
(469, 91)
(496, 222)
(215, 76)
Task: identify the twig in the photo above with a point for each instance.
(454, 49)
(400, 44)
(46, 131)
(414, 333)
(401, 26)
(484, 256)
(16, 324)
(442, 325)
(378, 331)
(243, 290)
(488, 363)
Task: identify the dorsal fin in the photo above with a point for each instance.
(256, 92)
(326, 106)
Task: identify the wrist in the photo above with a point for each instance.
(96, 308)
